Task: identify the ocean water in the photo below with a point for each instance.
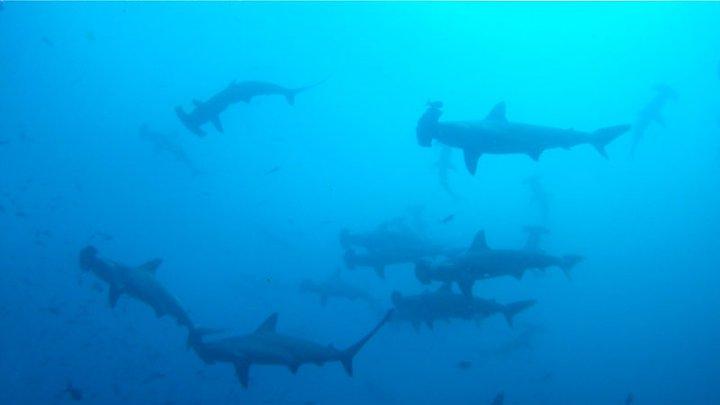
(241, 217)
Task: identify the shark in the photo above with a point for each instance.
(481, 262)
(163, 143)
(236, 92)
(390, 243)
(137, 282)
(444, 304)
(651, 113)
(335, 287)
(265, 346)
(496, 135)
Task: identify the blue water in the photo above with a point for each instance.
(274, 190)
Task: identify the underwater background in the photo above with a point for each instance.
(251, 212)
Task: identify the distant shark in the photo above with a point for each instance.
(496, 135)
(443, 304)
(481, 262)
(267, 347)
(652, 112)
(138, 282)
(163, 143)
(335, 287)
(235, 92)
(390, 243)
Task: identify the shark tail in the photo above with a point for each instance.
(196, 335)
(291, 93)
(603, 136)
(347, 355)
(512, 309)
(187, 122)
(568, 262)
(422, 272)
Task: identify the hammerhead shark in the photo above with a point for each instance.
(335, 287)
(163, 143)
(391, 243)
(267, 347)
(496, 135)
(235, 92)
(652, 112)
(137, 282)
(481, 262)
(443, 304)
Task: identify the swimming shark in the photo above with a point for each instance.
(137, 282)
(652, 112)
(335, 287)
(496, 135)
(392, 242)
(163, 143)
(235, 92)
(444, 304)
(265, 346)
(481, 262)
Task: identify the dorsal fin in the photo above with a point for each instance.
(268, 324)
(497, 113)
(151, 266)
(479, 243)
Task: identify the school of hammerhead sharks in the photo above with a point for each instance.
(391, 243)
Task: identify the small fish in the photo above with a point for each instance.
(630, 399)
(464, 364)
(448, 219)
(47, 41)
(90, 36)
(274, 169)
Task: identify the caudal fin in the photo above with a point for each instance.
(195, 337)
(512, 309)
(291, 93)
(187, 122)
(603, 136)
(347, 355)
(568, 262)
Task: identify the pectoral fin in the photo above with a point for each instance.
(535, 155)
(242, 370)
(217, 124)
(294, 367)
(471, 160)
